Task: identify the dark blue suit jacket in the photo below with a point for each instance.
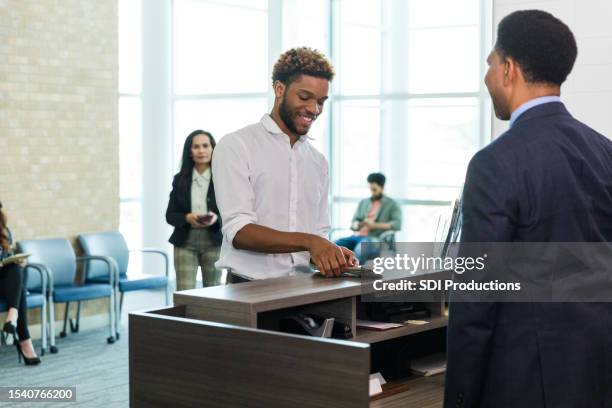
(547, 179)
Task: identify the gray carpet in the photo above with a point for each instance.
(99, 371)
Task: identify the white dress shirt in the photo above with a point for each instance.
(199, 191)
(261, 179)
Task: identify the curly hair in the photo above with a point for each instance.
(301, 61)
(542, 45)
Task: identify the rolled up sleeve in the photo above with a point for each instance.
(234, 192)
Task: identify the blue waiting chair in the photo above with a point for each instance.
(112, 244)
(36, 297)
(58, 258)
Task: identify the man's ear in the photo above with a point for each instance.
(511, 71)
(279, 89)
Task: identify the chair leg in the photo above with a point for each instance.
(74, 328)
(43, 328)
(63, 332)
(118, 314)
(52, 347)
(112, 308)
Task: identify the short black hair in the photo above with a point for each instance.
(542, 45)
(377, 178)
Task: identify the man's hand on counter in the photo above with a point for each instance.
(330, 259)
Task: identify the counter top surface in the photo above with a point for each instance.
(296, 289)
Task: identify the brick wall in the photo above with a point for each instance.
(58, 118)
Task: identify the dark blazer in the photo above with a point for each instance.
(547, 179)
(179, 206)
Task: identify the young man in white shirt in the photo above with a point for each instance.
(272, 184)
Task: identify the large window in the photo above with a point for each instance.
(408, 98)
(130, 121)
(220, 67)
(408, 102)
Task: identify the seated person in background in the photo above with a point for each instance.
(374, 216)
(12, 289)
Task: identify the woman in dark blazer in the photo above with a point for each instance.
(13, 292)
(193, 212)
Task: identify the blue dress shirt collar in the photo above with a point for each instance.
(530, 104)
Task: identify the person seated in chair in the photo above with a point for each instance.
(13, 290)
(374, 216)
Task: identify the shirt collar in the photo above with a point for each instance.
(201, 177)
(530, 104)
(271, 127)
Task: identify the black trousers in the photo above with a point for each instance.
(12, 288)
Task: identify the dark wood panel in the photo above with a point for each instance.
(179, 363)
(202, 311)
(177, 311)
(373, 336)
(423, 392)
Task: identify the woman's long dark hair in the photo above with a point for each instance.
(187, 162)
(4, 237)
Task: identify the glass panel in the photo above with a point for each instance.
(306, 23)
(219, 48)
(438, 13)
(318, 132)
(342, 214)
(130, 59)
(444, 60)
(130, 225)
(365, 12)
(419, 222)
(442, 135)
(218, 117)
(360, 59)
(255, 4)
(130, 147)
(357, 146)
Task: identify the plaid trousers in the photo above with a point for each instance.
(198, 250)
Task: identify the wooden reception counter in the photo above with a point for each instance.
(221, 346)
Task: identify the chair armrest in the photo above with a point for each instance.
(111, 264)
(163, 254)
(45, 278)
(388, 235)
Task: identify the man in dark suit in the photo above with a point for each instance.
(547, 179)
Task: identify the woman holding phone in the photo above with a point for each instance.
(193, 212)
(13, 292)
